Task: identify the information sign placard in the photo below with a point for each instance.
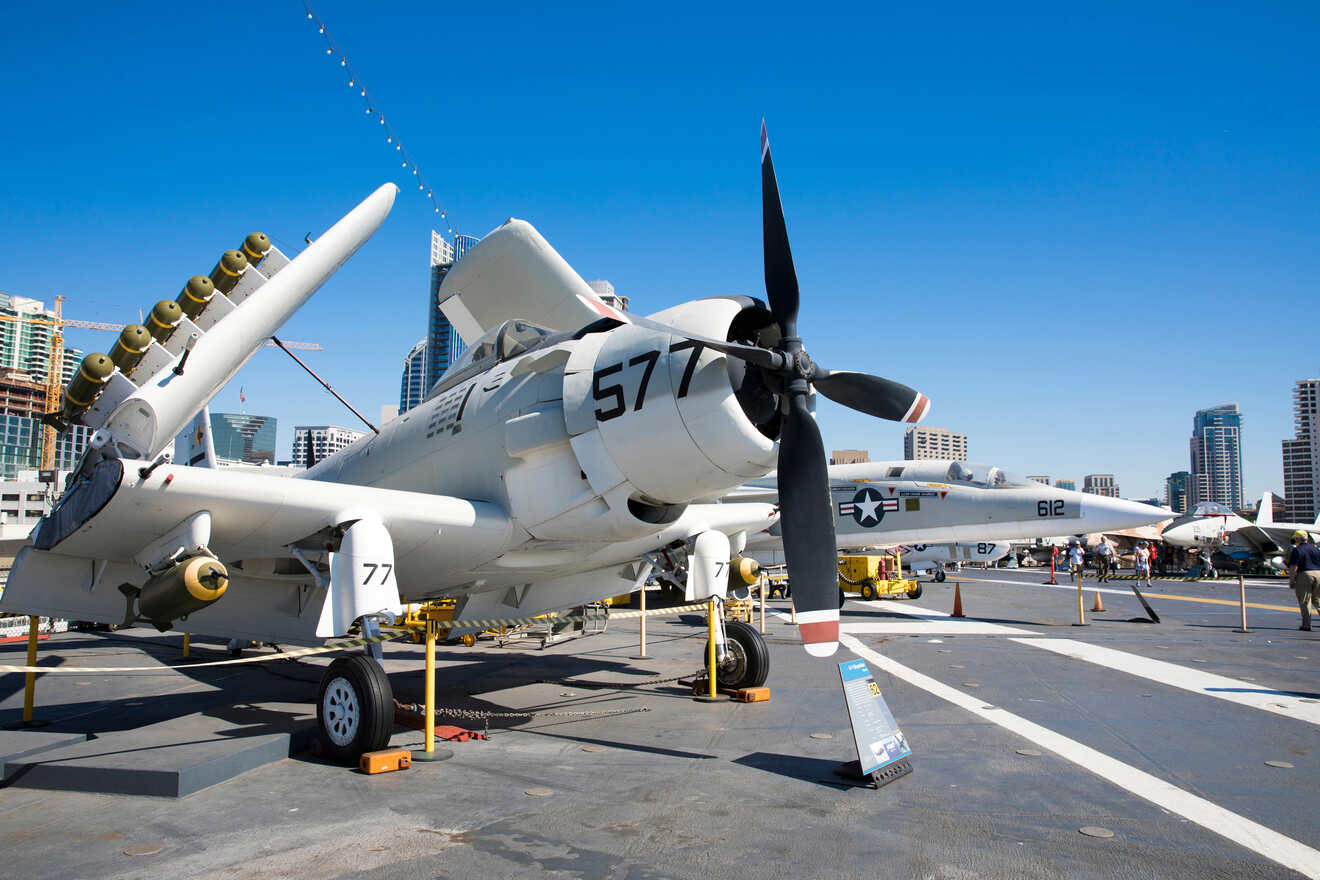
(880, 744)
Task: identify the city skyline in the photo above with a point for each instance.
(1038, 254)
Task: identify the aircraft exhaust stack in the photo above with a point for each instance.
(224, 318)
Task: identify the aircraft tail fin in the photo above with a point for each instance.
(1265, 513)
(195, 447)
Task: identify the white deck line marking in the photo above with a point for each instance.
(1256, 837)
(936, 628)
(1234, 690)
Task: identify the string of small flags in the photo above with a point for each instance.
(391, 137)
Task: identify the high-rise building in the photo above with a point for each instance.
(324, 440)
(1066, 484)
(412, 386)
(1100, 484)
(443, 344)
(1176, 487)
(605, 291)
(1301, 455)
(849, 456)
(25, 344)
(22, 402)
(923, 442)
(1216, 454)
(1039, 478)
(243, 439)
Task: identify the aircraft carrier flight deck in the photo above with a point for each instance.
(1041, 749)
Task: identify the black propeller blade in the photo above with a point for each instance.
(806, 515)
(781, 284)
(882, 398)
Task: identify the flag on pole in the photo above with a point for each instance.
(242, 398)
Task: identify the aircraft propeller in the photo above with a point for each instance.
(806, 518)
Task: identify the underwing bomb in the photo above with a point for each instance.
(191, 585)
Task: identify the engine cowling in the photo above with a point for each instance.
(667, 417)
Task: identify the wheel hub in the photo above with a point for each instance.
(734, 665)
(342, 711)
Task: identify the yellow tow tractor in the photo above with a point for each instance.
(876, 577)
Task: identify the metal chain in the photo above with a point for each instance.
(484, 714)
(568, 682)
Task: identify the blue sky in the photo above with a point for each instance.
(1070, 227)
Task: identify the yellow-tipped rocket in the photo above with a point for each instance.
(132, 344)
(86, 384)
(164, 318)
(198, 293)
(255, 247)
(228, 271)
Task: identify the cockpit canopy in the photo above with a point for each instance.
(508, 340)
(1210, 508)
(959, 473)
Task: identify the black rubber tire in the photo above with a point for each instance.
(842, 598)
(868, 591)
(915, 593)
(359, 677)
(750, 658)
(939, 576)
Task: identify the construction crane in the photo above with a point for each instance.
(55, 364)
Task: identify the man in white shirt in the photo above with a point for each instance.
(1104, 554)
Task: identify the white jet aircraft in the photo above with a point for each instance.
(540, 468)
(1211, 527)
(941, 501)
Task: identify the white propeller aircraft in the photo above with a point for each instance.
(540, 469)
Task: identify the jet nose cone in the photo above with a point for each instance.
(1100, 514)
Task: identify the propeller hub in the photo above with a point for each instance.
(802, 364)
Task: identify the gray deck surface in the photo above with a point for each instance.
(728, 790)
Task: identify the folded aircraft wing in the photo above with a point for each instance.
(514, 273)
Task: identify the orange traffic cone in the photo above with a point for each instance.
(957, 601)
(1098, 606)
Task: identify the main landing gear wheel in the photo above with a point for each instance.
(939, 576)
(868, 591)
(354, 708)
(747, 660)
